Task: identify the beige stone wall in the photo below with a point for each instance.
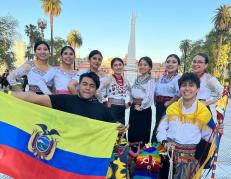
(2, 69)
(19, 50)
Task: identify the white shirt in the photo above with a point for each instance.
(210, 87)
(145, 91)
(59, 78)
(183, 132)
(30, 69)
(116, 91)
(168, 87)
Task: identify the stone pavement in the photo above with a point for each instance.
(224, 155)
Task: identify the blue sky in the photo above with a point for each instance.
(105, 25)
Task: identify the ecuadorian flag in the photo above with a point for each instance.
(39, 142)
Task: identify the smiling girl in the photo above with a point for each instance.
(34, 70)
(60, 76)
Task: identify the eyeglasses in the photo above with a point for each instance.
(95, 58)
(198, 62)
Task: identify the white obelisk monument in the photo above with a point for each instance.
(131, 67)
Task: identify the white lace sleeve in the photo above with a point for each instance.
(78, 74)
(102, 91)
(19, 72)
(215, 87)
(49, 76)
(149, 94)
(76, 77)
(177, 86)
(104, 87)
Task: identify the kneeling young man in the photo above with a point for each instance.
(185, 123)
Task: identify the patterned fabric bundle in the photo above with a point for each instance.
(118, 168)
(148, 161)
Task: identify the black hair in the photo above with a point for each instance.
(148, 60)
(116, 59)
(189, 77)
(174, 56)
(67, 47)
(94, 52)
(37, 43)
(91, 75)
(205, 56)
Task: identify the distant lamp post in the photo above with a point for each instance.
(42, 24)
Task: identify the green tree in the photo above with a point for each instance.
(222, 24)
(8, 34)
(185, 46)
(51, 8)
(74, 39)
(33, 34)
(58, 43)
(210, 48)
(222, 62)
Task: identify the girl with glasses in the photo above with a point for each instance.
(210, 88)
(209, 92)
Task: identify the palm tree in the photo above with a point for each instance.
(29, 30)
(74, 39)
(42, 24)
(51, 8)
(222, 24)
(33, 33)
(184, 47)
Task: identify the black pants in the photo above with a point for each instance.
(4, 83)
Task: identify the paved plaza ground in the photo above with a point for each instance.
(224, 156)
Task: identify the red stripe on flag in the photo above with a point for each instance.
(20, 166)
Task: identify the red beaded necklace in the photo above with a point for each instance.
(201, 74)
(119, 79)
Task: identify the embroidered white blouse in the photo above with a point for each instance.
(168, 87)
(210, 87)
(30, 69)
(58, 77)
(144, 89)
(116, 91)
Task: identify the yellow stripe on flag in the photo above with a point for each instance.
(211, 152)
(78, 134)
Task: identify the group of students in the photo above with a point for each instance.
(182, 102)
